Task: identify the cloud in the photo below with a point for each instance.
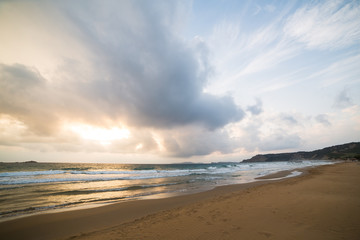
(323, 119)
(341, 71)
(194, 141)
(269, 131)
(24, 95)
(280, 141)
(153, 78)
(342, 100)
(132, 65)
(137, 72)
(270, 8)
(144, 75)
(327, 25)
(257, 108)
(288, 119)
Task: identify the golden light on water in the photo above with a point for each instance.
(103, 136)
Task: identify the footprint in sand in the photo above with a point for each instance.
(266, 234)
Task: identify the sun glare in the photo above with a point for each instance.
(102, 135)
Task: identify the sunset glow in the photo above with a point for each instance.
(101, 135)
(176, 81)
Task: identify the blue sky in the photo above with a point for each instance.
(172, 81)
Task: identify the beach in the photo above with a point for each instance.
(32, 188)
(324, 203)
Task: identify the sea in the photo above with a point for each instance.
(32, 188)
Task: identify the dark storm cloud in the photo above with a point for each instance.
(148, 76)
(142, 72)
(132, 69)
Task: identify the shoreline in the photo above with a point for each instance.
(63, 225)
(50, 210)
(21, 227)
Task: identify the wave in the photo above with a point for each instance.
(181, 172)
(33, 173)
(93, 178)
(23, 181)
(74, 172)
(38, 188)
(63, 176)
(112, 172)
(129, 188)
(52, 207)
(30, 210)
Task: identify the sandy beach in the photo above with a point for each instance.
(323, 204)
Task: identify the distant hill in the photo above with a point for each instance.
(31, 162)
(349, 151)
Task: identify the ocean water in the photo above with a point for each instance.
(27, 188)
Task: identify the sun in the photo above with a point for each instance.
(103, 136)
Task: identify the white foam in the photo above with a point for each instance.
(246, 170)
(34, 173)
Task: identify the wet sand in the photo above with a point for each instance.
(323, 204)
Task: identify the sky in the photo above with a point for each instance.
(176, 81)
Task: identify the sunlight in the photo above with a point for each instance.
(102, 135)
(139, 146)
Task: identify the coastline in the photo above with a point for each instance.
(48, 188)
(120, 218)
(281, 175)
